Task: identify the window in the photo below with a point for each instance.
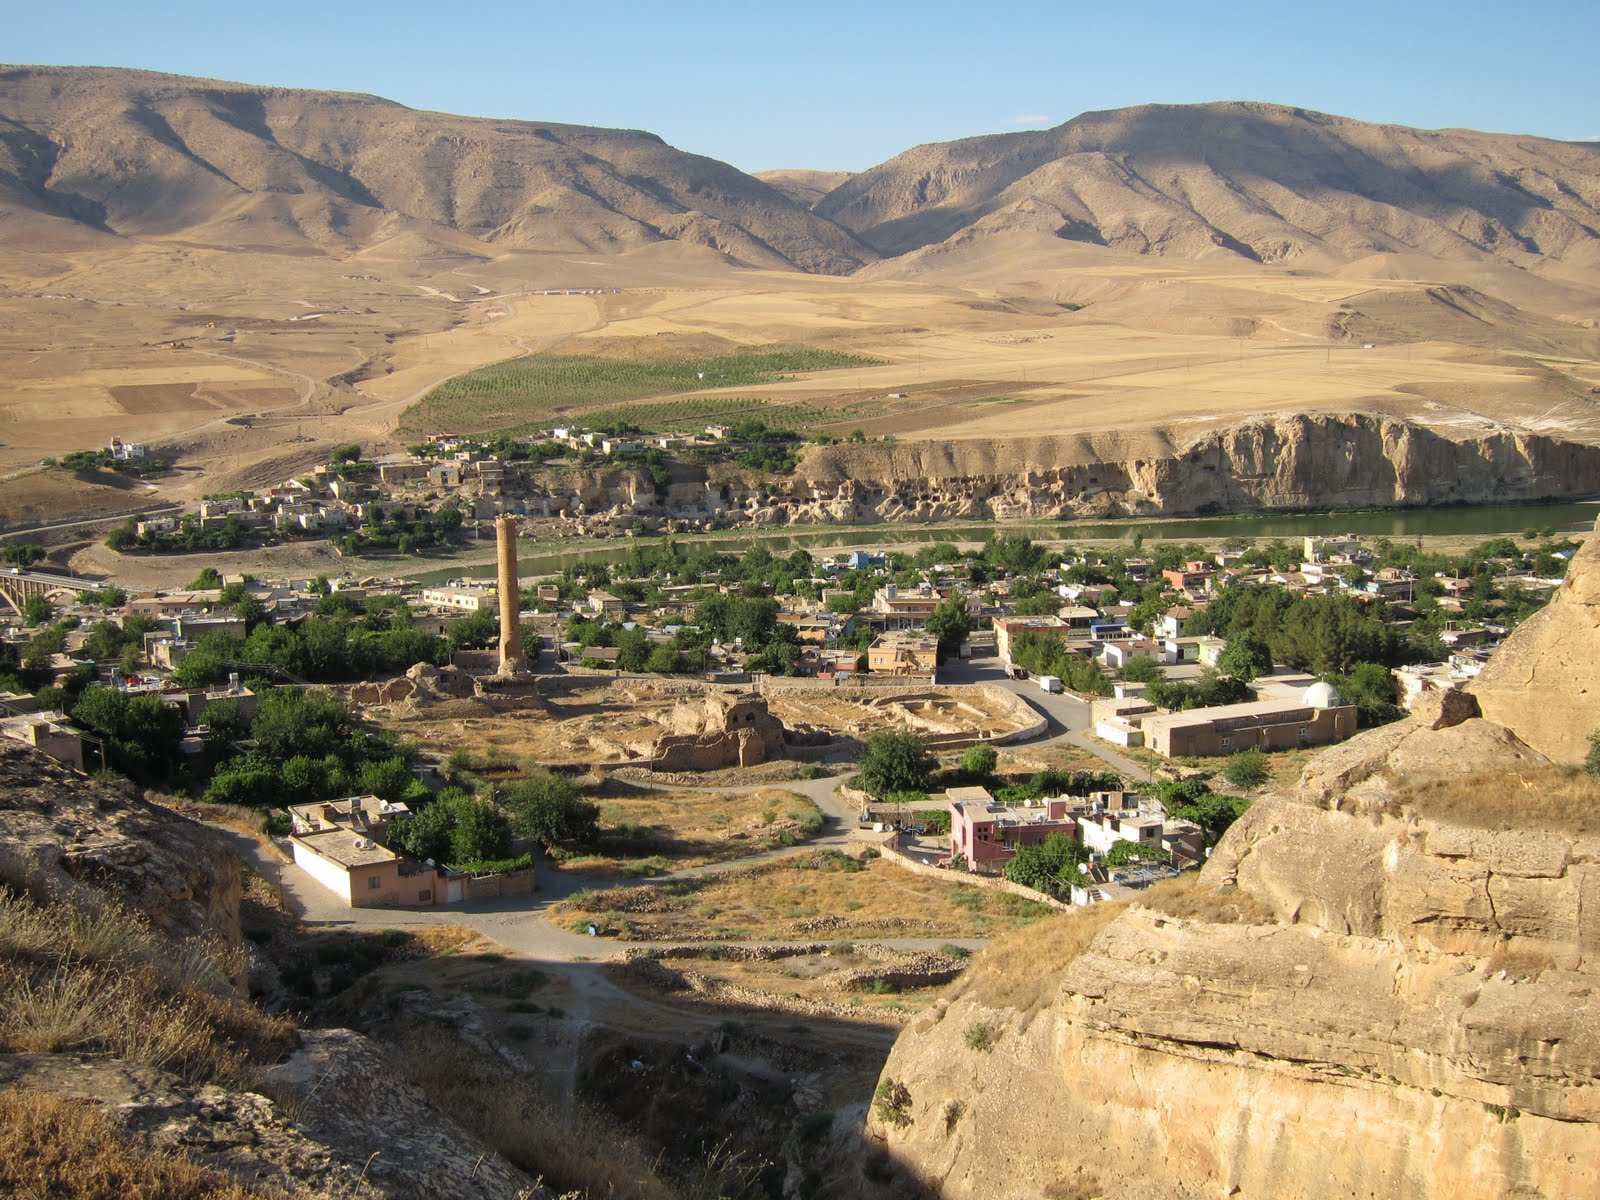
(373, 883)
(425, 896)
(1227, 743)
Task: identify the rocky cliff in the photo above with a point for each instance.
(1308, 460)
(1383, 984)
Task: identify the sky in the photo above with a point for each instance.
(837, 86)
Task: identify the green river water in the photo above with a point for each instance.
(1484, 522)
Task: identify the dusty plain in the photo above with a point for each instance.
(246, 367)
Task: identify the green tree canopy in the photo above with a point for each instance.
(894, 760)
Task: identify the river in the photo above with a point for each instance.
(1464, 521)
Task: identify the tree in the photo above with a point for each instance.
(979, 761)
(1246, 768)
(1591, 761)
(548, 808)
(949, 624)
(894, 760)
(1245, 657)
(1142, 670)
(1051, 866)
(207, 580)
(36, 610)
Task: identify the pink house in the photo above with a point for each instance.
(986, 834)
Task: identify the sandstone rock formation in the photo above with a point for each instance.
(1553, 657)
(65, 835)
(1385, 983)
(1307, 460)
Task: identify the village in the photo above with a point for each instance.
(1169, 664)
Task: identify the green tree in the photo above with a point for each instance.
(979, 761)
(1245, 657)
(1142, 670)
(894, 760)
(949, 624)
(548, 807)
(36, 610)
(207, 580)
(1246, 768)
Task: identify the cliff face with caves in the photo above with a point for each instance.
(1386, 982)
(1338, 460)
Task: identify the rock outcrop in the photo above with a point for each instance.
(719, 730)
(1308, 460)
(63, 834)
(1552, 656)
(1386, 982)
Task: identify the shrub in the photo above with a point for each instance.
(1246, 768)
(980, 1037)
(1591, 762)
(892, 1102)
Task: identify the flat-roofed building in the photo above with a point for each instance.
(466, 598)
(363, 873)
(1318, 718)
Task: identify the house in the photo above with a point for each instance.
(466, 597)
(366, 815)
(122, 451)
(1318, 718)
(364, 874)
(1006, 630)
(49, 733)
(899, 654)
(866, 560)
(1170, 623)
(987, 834)
(1331, 549)
(605, 606)
(891, 609)
(1192, 576)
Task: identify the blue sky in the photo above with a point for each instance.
(844, 86)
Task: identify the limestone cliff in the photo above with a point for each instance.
(1385, 983)
(1307, 460)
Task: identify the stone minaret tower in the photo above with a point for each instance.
(505, 531)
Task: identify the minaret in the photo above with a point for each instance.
(511, 664)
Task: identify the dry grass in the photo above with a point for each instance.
(53, 1147)
(1520, 960)
(578, 1152)
(1549, 799)
(1022, 969)
(813, 897)
(96, 977)
(1191, 896)
(646, 831)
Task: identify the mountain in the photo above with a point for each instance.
(1257, 181)
(805, 188)
(132, 153)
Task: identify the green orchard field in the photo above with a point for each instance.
(529, 392)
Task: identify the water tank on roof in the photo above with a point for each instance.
(1322, 695)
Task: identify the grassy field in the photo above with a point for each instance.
(528, 391)
(816, 897)
(644, 831)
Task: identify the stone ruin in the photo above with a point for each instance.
(423, 682)
(719, 730)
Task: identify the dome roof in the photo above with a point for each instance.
(1321, 695)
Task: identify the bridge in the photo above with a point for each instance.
(18, 586)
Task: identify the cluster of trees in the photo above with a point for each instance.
(1056, 782)
(403, 533)
(1207, 690)
(636, 652)
(303, 743)
(102, 460)
(1044, 653)
(894, 760)
(1193, 800)
(755, 445)
(334, 646)
(1325, 635)
(21, 554)
(1052, 866)
(188, 538)
(137, 736)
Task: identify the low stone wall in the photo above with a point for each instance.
(493, 887)
(949, 875)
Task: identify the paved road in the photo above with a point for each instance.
(1067, 716)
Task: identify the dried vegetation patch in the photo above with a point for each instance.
(51, 1146)
(1022, 969)
(1552, 799)
(94, 977)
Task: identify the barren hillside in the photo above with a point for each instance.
(85, 150)
(1260, 181)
